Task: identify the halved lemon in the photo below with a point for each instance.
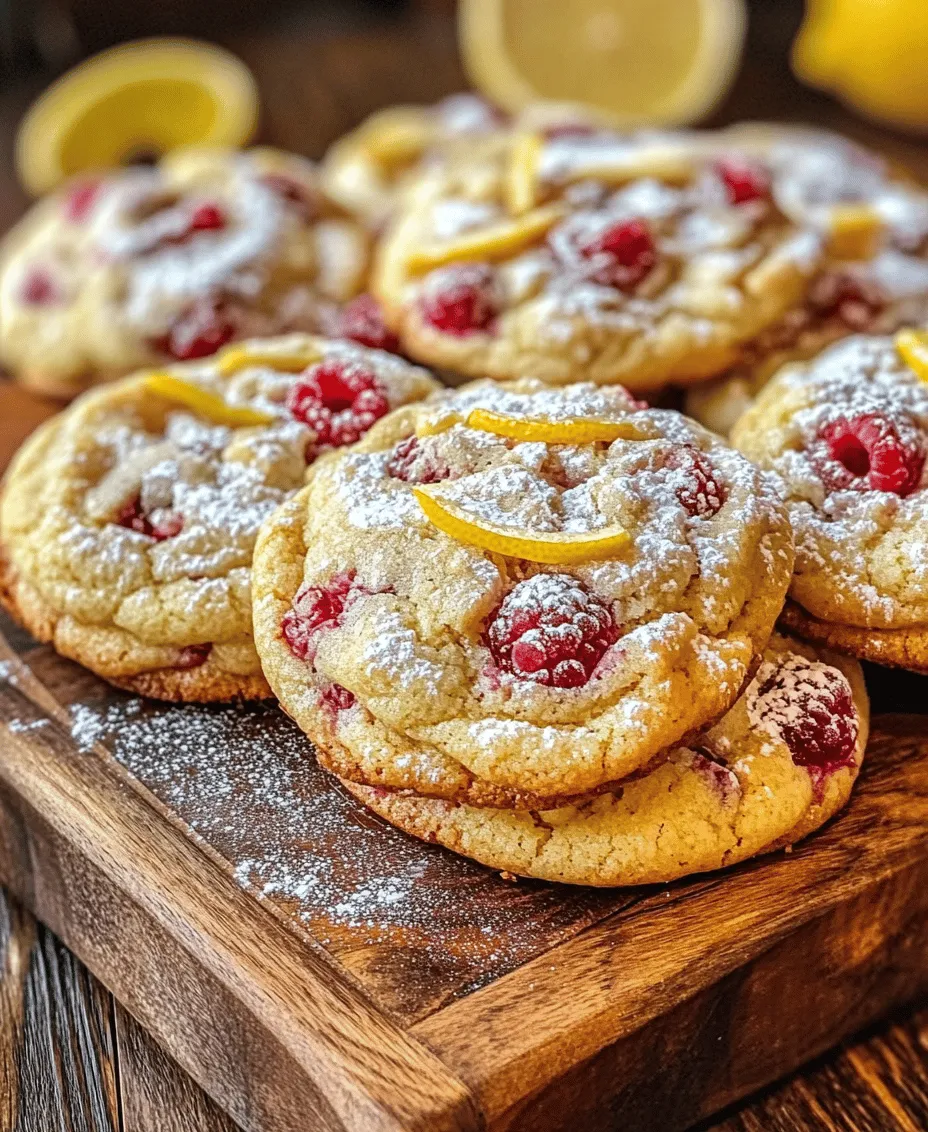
(205, 404)
(236, 358)
(662, 62)
(147, 97)
(559, 548)
(913, 349)
(576, 430)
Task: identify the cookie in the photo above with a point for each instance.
(517, 594)
(775, 768)
(127, 522)
(151, 265)
(579, 254)
(847, 435)
(875, 280)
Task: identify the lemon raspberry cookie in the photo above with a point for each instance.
(875, 279)
(150, 265)
(516, 594)
(775, 768)
(581, 254)
(848, 434)
(127, 522)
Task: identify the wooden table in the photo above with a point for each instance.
(71, 1059)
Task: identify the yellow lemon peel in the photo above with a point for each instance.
(496, 241)
(236, 358)
(913, 349)
(560, 548)
(575, 430)
(855, 231)
(432, 426)
(522, 175)
(205, 404)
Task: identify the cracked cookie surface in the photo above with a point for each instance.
(415, 660)
(127, 523)
(151, 265)
(775, 768)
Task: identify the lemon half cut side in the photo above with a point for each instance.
(657, 62)
(139, 99)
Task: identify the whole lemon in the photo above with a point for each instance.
(872, 53)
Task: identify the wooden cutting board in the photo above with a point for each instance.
(314, 968)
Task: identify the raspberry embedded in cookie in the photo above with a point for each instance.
(551, 630)
(193, 656)
(409, 462)
(167, 525)
(336, 698)
(744, 181)
(362, 321)
(842, 295)
(207, 218)
(292, 193)
(866, 453)
(315, 610)
(696, 485)
(627, 253)
(339, 401)
(199, 332)
(80, 200)
(39, 288)
(459, 300)
(812, 707)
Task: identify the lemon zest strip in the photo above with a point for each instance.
(205, 404)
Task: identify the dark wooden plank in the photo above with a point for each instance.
(17, 938)
(156, 1095)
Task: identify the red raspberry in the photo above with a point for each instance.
(854, 301)
(200, 331)
(293, 193)
(134, 518)
(316, 610)
(866, 453)
(744, 181)
(628, 253)
(551, 630)
(207, 218)
(336, 698)
(193, 656)
(696, 484)
(410, 463)
(39, 288)
(339, 401)
(362, 321)
(813, 709)
(80, 200)
(459, 300)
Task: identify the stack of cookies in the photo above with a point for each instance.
(532, 617)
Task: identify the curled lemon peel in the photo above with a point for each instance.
(495, 241)
(236, 358)
(912, 346)
(855, 231)
(559, 548)
(522, 175)
(432, 426)
(203, 403)
(575, 430)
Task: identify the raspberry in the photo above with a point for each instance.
(339, 401)
(459, 300)
(551, 630)
(822, 733)
(316, 610)
(410, 463)
(627, 252)
(207, 218)
(81, 198)
(854, 301)
(744, 181)
(336, 698)
(200, 331)
(134, 518)
(39, 288)
(361, 320)
(292, 193)
(193, 656)
(866, 453)
(697, 487)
